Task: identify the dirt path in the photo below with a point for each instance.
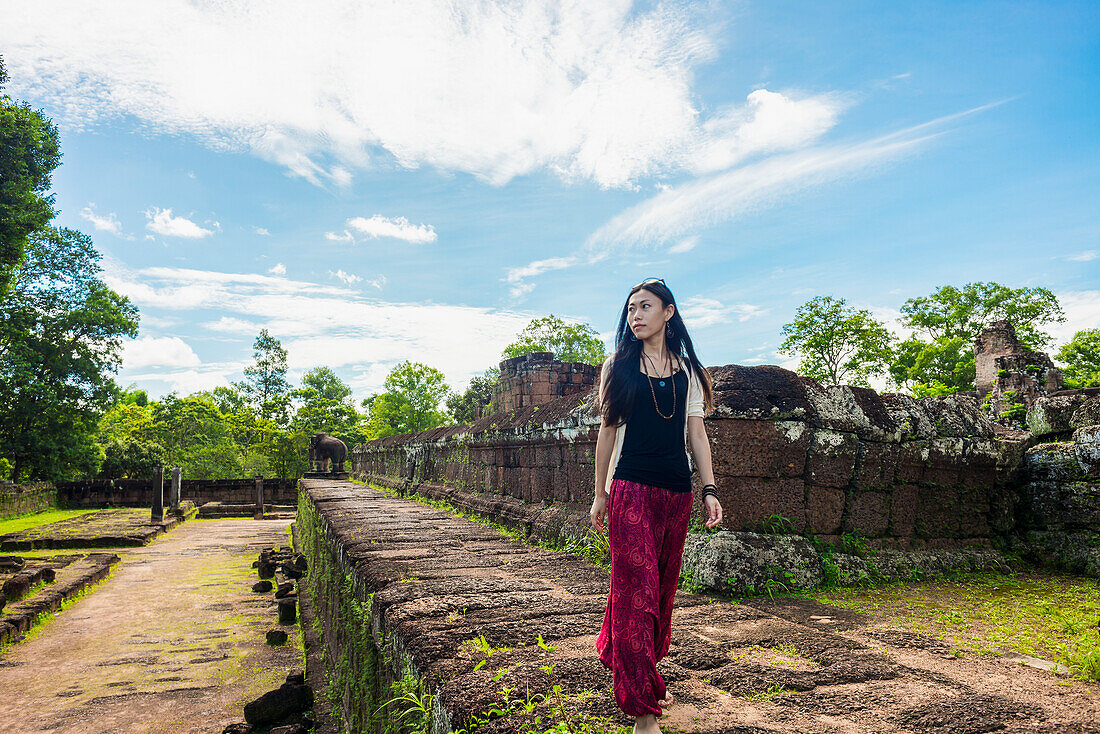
(173, 641)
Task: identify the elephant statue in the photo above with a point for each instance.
(323, 448)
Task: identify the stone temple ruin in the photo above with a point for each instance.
(1008, 375)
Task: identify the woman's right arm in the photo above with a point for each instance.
(605, 442)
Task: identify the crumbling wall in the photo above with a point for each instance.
(139, 492)
(1060, 511)
(1009, 376)
(790, 455)
(20, 499)
(537, 378)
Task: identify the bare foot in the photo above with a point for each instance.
(646, 725)
(667, 701)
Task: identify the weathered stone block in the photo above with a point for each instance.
(876, 465)
(748, 500)
(1053, 415)
(831, 460)
(868, 513)
(912, 458)
(824, 509)
(748, 448)
(937, 512)
(1087, 448)
(903, 510)
(849, 409)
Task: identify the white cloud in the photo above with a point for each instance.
(277, 269)
(262, 231)
(769, 121)
(1084, 257)
(397, 228)
(185, 382)
(599, 91)
(1082, 311)
(163, 223)
(685, 245)
(318, 324)
(344, 237)
(701, 312)
(108, 223)
(148, 351)
(345, 278)
(718, 198)
(517, 277)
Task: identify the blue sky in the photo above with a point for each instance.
(375, 182)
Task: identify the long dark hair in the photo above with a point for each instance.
(617, 398)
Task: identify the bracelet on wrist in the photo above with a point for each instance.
(709, 490)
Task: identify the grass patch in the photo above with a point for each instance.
(34, 519)
(1043, 614)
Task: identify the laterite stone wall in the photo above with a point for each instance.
(906, 474)
(20, 499)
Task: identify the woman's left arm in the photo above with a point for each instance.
(700, 449)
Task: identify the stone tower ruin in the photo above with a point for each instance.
(1008, 373)
(537, 378)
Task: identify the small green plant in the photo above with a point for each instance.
(776, 524)
(854, 544)
(775, 689)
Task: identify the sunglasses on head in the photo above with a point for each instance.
(651, 281)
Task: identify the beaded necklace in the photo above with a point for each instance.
(654, 392)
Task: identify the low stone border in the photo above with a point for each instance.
(20, 616)
(111, 528)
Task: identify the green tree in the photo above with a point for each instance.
(410, 402)
(944, 367)
(964, 312)
(1082, 359)
(197, 436)
(29, 152)
(951, 318)
(463, 407)
(131, 460)
(837, 343)
(327, 407)
(568, 342)
(61, 332)
(265, 383)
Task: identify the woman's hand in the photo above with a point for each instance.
(714, 510)
(598, 515)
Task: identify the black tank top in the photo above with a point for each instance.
(653, 451)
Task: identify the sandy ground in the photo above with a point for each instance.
(173, 641)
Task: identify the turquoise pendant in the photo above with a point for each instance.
(661, 383)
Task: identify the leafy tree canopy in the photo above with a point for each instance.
(410, 402)
(29, 152)
(265, 384)
(943, 367)
(837, 343)
(61, 332)
(1082, 359)
(463, 407)
(568, 342)
(327, 406)
(964, 312)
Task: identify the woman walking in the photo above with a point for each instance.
(653, 393)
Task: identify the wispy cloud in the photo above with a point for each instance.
(598, 91)
(162, 222)
(685, 245)
(345, 278)
(344, 236)
(319, 324)
(397, 228)
(676, 213)
(277, 269)
(1084, 257)
(262, 231)
(107, 223)
(702, 312)
(517, 277)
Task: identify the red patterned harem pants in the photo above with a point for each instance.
(646, 529)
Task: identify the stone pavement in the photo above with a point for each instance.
(446, 590)
(173, 641)
(111, 528)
